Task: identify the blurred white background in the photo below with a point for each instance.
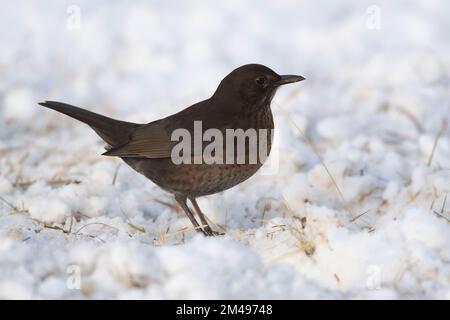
(374, 106)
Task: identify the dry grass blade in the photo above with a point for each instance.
(412, 118)
(131, 224)
(138, 228)
(94, 223)
(183, 230)
(436, 141)
(441, 215)
(9, 204)
(359, 215)
(283, 256)
(432, 204)
(53, 182)
(59, 182)
(116, 172)
(55, 227)
(443, 204)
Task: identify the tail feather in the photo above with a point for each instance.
(114, 132)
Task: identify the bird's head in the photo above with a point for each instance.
(253, 84)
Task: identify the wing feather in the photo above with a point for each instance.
(148, 141)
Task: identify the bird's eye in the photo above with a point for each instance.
(261, 81)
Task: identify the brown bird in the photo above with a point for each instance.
(241, 101)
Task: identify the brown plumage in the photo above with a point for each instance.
(242, 101)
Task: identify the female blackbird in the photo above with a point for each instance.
(242, 101)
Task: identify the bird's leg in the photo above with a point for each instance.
(208, 229)
(182, 201)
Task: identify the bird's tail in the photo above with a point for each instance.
(114, 132)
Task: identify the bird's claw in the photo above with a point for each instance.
(212, 233)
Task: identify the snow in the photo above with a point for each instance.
(74, 224)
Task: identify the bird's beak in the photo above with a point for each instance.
(289, 78)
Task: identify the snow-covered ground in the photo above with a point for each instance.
(74, 224)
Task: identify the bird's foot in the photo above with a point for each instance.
(212, 233)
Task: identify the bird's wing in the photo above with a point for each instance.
(147, 141)
(153, 140)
